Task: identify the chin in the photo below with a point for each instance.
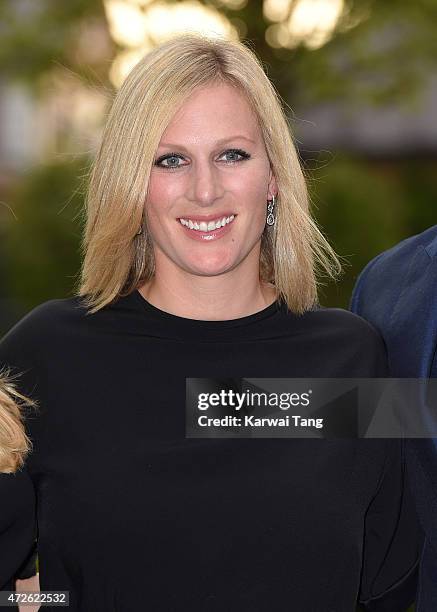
(208, 269)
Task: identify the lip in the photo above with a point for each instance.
(207, 218)
(214, 234)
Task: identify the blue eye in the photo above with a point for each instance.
(165, 158)
(174, 156)
(240, 152)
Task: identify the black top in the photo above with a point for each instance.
(132, 515)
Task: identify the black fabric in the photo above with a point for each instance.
(29, 567)
(132, 515)
(17, 527)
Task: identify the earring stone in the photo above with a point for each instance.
(270, 208)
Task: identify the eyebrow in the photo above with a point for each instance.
(218, 142)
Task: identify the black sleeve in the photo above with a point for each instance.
(18, 524)
(393, 540)
(17, 527)
(29, 567)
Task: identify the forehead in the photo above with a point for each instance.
(212, 113)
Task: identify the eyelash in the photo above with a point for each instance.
(243, 154)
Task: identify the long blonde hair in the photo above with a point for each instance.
(14, 442)
(116, 259)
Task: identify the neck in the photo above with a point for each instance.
(226, 296)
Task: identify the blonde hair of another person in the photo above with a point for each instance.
(14, 442)
(116, 259)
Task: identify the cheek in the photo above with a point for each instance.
(161, 197)
(163, 186)
(255, 199)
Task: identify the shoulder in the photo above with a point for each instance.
(38, 330)
(47, 316)
(380, 282)
(347, 340)
(335, 327)
(344, 324)
(426, 240)
(390, 260)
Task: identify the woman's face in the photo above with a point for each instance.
(211, 165)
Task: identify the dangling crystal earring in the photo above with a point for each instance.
(270, 207)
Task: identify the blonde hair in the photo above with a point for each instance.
(14, 442)
(116, 259)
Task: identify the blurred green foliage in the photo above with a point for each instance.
(361, 62)
(40, 232)
(40, 36)
(366, 207)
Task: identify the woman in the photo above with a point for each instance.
(199, 259)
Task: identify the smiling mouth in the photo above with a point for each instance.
(207, 226)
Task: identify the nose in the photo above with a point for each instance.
(205, 183)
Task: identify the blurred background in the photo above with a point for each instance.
(358, 79)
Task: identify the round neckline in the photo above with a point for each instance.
(185, 322)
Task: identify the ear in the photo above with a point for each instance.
(273, 186)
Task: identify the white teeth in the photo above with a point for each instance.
(207, 227)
